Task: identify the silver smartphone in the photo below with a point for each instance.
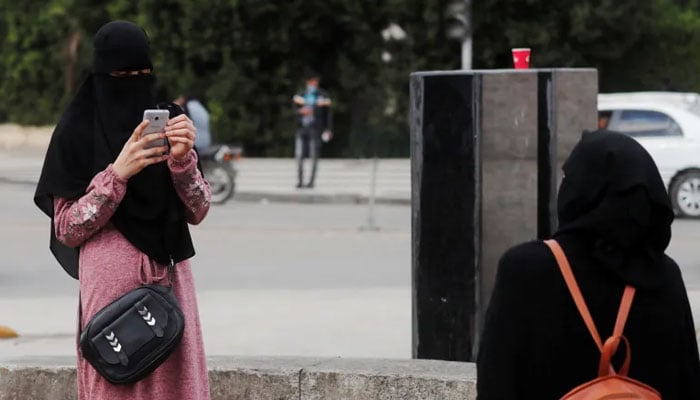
(157, 121)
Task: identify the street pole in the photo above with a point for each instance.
(467, 52)
(467, 41)
(371, 226)
(458, 26)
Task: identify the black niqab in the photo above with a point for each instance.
(90, 136)
(613, 195)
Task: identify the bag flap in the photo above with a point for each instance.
(153, 313)
(119, 340)
(130, 323)
(146, 319)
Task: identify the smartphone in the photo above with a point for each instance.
(157, 121)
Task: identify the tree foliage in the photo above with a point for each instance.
(246, 58)
(635, 45)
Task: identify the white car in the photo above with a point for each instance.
(667, 125)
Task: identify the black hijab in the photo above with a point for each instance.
(612, 194)
(90, 135)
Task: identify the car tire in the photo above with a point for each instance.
(685, 194)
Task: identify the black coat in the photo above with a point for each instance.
(536, 346)
(615, 223)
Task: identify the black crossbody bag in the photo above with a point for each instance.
(128, 339)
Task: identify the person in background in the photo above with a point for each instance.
(614, 226)
(314, 125)
(200, 117)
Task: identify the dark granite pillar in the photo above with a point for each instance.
(486, 146)
(445, 164)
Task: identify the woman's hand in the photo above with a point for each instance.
(181, 134)
(134, 156)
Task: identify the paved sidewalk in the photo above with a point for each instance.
(338, 181)
(273, 179)
(254, 322)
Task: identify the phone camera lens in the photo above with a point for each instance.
(157, 118)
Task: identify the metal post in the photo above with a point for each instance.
(467, 52)
(458, 27)
(371, 226)
(467, 41)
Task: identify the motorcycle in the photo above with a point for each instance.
(219, 167)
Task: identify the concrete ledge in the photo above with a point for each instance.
(382, 379)
(271, 378)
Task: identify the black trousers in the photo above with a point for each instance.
(307, 144)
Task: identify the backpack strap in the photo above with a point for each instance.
(624, 310)
(605, 367)
(575, 291)
(611, 348)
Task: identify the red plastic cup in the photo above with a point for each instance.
(521, 58)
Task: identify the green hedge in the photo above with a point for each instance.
(247, 57)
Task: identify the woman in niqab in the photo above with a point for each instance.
(615, 224)
(120, 210)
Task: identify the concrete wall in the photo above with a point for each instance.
(509, 144)
(577, 105)
(487, 147)
(272, 378)
(527, 115)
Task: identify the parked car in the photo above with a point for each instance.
(667, 125)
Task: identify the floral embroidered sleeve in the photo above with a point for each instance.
(191, 186)
(76, 220)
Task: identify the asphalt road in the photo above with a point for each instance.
(240, 245)
(272, 279)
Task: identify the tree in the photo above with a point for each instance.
(34, 49)
(633, 44)
(246, 58)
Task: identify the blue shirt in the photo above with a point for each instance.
(200, 118)
(309, 101)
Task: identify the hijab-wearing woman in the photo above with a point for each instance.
(615, 223)
(120, 210)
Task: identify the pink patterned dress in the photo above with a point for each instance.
(110, 266)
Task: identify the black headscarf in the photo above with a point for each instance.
(90, 136)
(613, 195)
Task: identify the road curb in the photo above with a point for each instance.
(316, 198)
(297, 198)
(11, 181)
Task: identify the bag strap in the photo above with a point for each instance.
(611, 345)
(171, 275)
(624, 310)
(609, 349)
(80, 321)
(575, 291)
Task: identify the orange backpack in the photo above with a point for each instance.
(609, 384)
